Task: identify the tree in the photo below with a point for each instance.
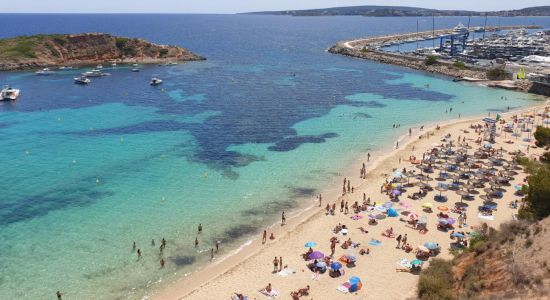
(538, 196)
(542, 135)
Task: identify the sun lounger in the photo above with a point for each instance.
(490, 218)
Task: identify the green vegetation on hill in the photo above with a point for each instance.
(404, 11)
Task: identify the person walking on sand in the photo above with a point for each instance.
(320, 200)
(368, 156)
(217, 246)
(349, 186)
(275, 265)
(346, 209)
(398, 241)
(264, 237)
(283, 219)
(410, 131)
(211, 253)
(396, 144)
(342, 205)
(280, 263)
(404, 241)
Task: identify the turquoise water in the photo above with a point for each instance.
(228, 143)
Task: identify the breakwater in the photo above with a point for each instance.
(369, 48)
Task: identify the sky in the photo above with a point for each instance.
(235, 6)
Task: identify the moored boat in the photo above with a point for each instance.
(9, 94)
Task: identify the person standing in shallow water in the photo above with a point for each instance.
(162, 263)
(196, 242)
(59, 295)
(211, 253)
(264, 237)
(283, 218)
(139, 253)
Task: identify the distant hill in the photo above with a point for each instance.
(404, 11)
(37, 51)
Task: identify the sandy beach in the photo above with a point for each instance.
(250, 268)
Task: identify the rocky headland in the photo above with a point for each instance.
(39, 51)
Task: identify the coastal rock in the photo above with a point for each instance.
(27, 52)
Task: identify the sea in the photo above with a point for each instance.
(265, 124)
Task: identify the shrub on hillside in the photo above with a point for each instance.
(459, 65)
(436, 281)
(430, 60)
(498, 74)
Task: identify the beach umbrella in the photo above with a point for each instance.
(310, 244)
(406, 205)
(335, 265)
(462, 193)
(450, 221)
(392, 212)
(427, 205)
(457, 235)
(321, 264)
(443, 221)
(423, 249)
(316, 255)
(431, 245)
(417, 262)
(443, 208)
(354, 280)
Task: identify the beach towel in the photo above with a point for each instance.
(490, 218)
(344, 288)
(274, 294)
(286, 272)
(405, 263)
(374, 242)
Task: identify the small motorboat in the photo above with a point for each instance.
(45, 71)
(155, 81)
(99, 67)
(9, 94)
(82, 80)
(65, 68)
(135, 65)
(135, 70)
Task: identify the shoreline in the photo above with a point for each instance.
(309, 211)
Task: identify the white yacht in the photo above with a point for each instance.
(45, 71)
(460, 29)
(135, 70)
(9, 94)
(95, 73)
(155, 81)
(99, 67)
(82, 80)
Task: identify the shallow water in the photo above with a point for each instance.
(266, 121)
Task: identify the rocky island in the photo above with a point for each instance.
(38, 51)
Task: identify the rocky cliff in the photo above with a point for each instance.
(26, 52)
